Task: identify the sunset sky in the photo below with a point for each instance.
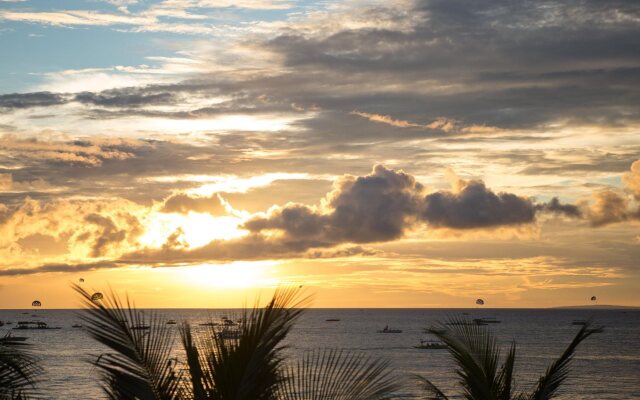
(195, 153)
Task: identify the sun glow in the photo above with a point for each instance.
(236, 275)
(190, 230)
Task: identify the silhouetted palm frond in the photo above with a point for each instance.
(337, 375)
(558, 371)
(139, 365)
(476, 353)
(246, 366)
(432, 390)
(18, 370)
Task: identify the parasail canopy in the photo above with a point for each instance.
(594, 298)
(36, 303)
(480, 302)
(96, 296)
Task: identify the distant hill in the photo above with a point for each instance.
(603, 307)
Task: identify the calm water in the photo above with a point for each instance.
(607, 366)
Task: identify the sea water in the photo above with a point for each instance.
(607, 365)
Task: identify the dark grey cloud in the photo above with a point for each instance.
(554, 206)
(60, 267)
(372, 208)
(127, 97)
(28, 100)
(474, 207)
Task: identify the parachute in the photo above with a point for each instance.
(81, 280)
(480, 302)
(594, 298)
(36, 303)
(96, 296)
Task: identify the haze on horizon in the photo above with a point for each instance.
(195, 153)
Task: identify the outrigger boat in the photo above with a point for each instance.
(434, 329)
(23, 325)
(387, 330)
(489, 320)
(430, 345)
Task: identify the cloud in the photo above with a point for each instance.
(608, 207)
(376, 207)
(28, 100)
(631, 179)
(183, 203)
(130, 97)
(90, 152)
(554, 206)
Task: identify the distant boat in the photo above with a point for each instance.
(430, 345)
(489, 320)
(171, 322)
(387, 330)
(23, 325)
(11, 338)
(228, 322)
(476, 321)
(140, 327)
(209, 324)
(227, 333)
(332, 319)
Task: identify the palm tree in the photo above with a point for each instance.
(477, 355)
(18, 370)
(246, 364)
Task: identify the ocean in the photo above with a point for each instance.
(607, 365)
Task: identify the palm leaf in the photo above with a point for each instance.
(248, 367)
(337, 375)
(139, 364)
(558, 371)
(506, 375)
(476, 352)
(18, 370)
(431, 389)
(201, 385)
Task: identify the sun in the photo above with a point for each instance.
(235, 275)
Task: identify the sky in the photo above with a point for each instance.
(397, 153)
